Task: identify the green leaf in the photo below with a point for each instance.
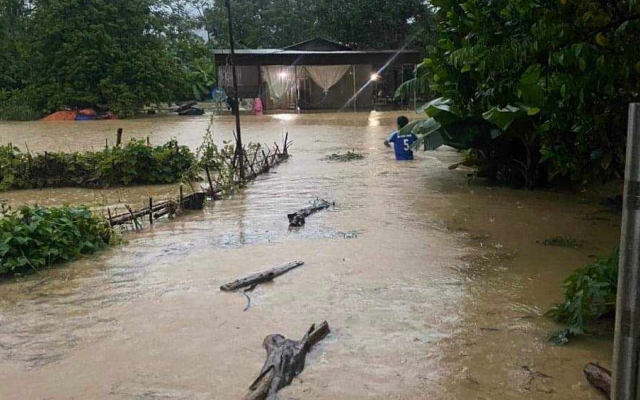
(503, 117)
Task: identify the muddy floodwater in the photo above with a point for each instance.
(434, 288)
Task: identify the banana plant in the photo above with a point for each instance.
(201, 77)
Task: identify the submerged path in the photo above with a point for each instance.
(433, 289)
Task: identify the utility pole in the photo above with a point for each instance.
(239, 149)
(626, 348)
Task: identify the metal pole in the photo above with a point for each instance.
(355, 90)
(235, 90)
(627, 341)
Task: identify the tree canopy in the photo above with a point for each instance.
(121, 54)
(278, 23)
(535, 89)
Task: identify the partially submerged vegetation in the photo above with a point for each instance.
(589, 294)
(32, 238)
(562, 241)
(344, 157)
(133, 163)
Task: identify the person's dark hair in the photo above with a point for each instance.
(402, 121)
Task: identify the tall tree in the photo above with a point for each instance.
(88, 52)
(377, 24)
(13, 22)
(262, 23)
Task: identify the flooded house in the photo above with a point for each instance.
(318, 74)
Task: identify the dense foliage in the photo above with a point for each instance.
(384, 24)
(36, 237)
(133, 163)
(116, 54)
(537, 89)
(590, 293)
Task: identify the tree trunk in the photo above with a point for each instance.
(285, 360)
(299, 217)
(599, 377)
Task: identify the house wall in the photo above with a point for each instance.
(340, 94)
(249, 87)
(248, 80)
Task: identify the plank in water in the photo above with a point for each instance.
(260, 277)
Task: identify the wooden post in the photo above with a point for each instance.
(151, 210)
(295, 68)
(286, 143)
(109, 213)
(232, 56)
(106, 144)
(181, 199)
(355, 90)
(119, 137)
(206, 169)
(148, 142)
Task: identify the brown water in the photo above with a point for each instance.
(433, 289)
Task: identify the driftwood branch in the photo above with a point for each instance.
(260, 277)
(599, 377)
(298, 218)
(285, 360)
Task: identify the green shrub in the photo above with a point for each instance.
(37, 237)
(132, 164)
(589, 293)
(15, 106)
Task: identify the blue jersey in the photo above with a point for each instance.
(402, 145)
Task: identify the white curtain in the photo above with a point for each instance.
(279, 78)
(326, 76)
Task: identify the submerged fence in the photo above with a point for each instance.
(222, 179)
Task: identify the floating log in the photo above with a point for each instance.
(599, 377)
(298, 217)
(285, 360)
(186, 106)
(260, 277)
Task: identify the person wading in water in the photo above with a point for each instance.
(401, 143)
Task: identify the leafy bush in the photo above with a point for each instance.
(134, 163)
(538, 89)
(37, 237)
(589, 293)
(15, 106)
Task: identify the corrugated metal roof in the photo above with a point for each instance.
(301, 52)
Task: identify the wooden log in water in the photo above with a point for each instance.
(260, 277)
(599, 377)
(285, 360)
(298, 218)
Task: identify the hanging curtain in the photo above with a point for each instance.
(326, 76)
(279, 78)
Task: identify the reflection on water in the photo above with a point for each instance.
(438, 296)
